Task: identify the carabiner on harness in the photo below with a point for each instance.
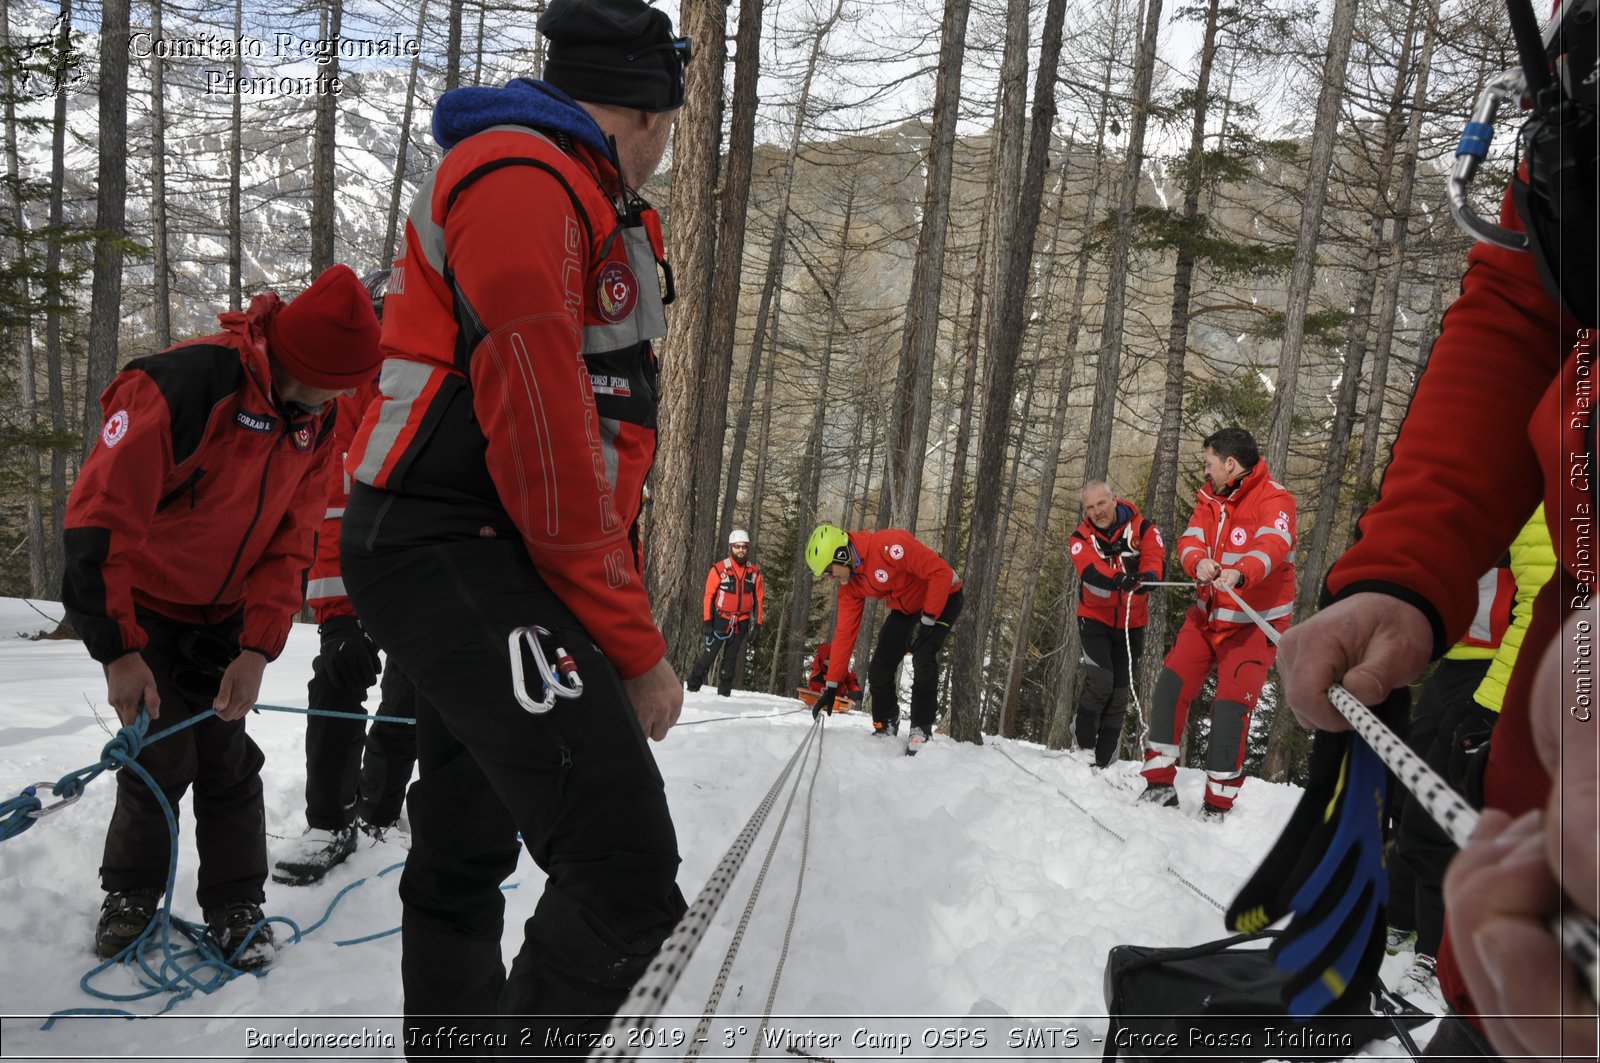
(566, 684)
(1470, 153)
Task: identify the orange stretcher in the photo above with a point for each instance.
(841, 703)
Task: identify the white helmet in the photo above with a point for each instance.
(739, 535)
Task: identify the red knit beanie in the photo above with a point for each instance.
(328, 336)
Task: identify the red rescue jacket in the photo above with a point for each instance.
(1251, 529)
(818, 672)
(1132, 544)
(519, 386)
(325, 591)
(734, 590)
(894, 566)
(199, 497)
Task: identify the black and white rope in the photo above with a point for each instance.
(794, 908)
(650, 993)
(721, 981)
(1578, 933)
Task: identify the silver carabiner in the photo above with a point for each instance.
(1470, 153)
(40, 813)
(532, 637)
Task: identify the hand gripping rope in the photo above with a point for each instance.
(1578, 933)
(533, 636)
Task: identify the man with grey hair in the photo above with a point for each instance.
(1116, 551)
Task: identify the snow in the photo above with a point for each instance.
(966, 888)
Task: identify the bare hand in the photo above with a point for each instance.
(240, 685)
(129, 682)
(657, 698)
(1370, 643)
(1228, 578)
(1205, 570)
(1499, 896)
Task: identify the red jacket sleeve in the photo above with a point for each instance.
(845, 629)
(276, 585)
(1152, 551)
(1464, 475)
(109, 512)
(761, 598)
(522, 271)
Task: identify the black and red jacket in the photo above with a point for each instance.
(200, 496)
(519, 384)
(325, 592)
(1131, 545)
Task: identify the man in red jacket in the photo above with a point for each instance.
(924, 598)
(1516, 348)
(188, 534)
(733, 612)
(1115, 550)
(498, 483)
(1240, 536)
(355, 778)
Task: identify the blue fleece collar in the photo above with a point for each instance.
(462, 112)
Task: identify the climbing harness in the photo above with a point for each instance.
(1579, 934)
(650, 993)
(532, 637)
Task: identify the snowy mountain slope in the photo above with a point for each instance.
(950, 885)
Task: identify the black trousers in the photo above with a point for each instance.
(578, 783)
(1424, 849)
(218, 758)
(1109, 660)
(731, 648)
(894, 643)
(352, 771)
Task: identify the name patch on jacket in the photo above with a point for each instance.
(606, 384)
(256, 422)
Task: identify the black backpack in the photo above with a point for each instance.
(1224, 1000)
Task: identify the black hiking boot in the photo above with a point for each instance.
(230, 926)
(124, 915)
(1163, 794)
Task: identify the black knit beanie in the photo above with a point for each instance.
(620, 52)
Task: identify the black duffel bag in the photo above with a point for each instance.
(1224, 1000)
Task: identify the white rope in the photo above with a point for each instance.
(721, 981)
(650, 993)
(794, 908)
(1578, 933)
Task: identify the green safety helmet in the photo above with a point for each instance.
(827, 545)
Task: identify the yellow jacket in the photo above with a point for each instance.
(1533, 562)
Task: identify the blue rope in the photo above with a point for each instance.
(337, 715)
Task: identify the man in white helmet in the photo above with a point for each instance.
(733, 611)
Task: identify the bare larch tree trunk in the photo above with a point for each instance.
(681, 491)
(111, 208)
(913, 390)
(390, 251)
(1108, 368)
(162, 295)
(1323, 136)
(324, 152)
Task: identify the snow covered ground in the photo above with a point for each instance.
(953, 887)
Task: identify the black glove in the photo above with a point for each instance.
(709, 629)
(1326, 871)
(824, 702)
(1146, 577)
(755, 630)
(923, 632)
(1125, 581)
(349, 658)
